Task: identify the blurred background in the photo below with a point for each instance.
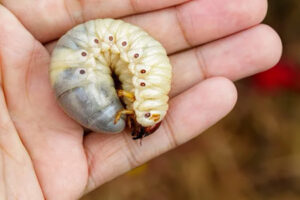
(253, 153)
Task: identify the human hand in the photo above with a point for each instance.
(44, 153)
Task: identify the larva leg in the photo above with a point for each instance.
(155, 117)
(122, 112)
(130, 121)
(128, 95)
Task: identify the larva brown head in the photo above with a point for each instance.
(140, 132)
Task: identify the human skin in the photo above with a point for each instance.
(44, 154)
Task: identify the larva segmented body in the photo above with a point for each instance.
(81, 67)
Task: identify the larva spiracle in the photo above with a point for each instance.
(81, 69)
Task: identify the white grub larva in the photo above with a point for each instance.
(81, 70)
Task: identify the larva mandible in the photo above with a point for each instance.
(81, 70)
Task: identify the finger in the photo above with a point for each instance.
(198, 22)
(47, 20)
(190, 114)
(234, 57)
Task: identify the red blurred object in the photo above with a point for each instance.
(284, 76)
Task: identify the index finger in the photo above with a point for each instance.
(48, 20)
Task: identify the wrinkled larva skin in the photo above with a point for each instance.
(82, 64)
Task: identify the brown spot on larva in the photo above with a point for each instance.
(84, 54)
(136, 55)
(82, 71)
(147, 115)
(96, 41)
(124, 43)
(143, 71)
(143, 84)
(111, 38)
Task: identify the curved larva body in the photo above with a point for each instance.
(81, 68)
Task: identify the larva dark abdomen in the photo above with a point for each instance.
(81, 68)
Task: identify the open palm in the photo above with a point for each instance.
(44, 154)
